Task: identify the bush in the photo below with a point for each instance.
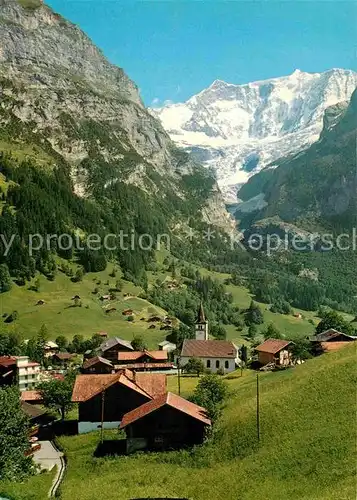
(194, 365)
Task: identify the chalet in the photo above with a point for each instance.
(111, 310)
(154, 319)
(109, 348)
(330, 340)
(167, 346)
(166, 422)
(215, 354)
(51, 348)
(97, 365)
(106, 398)
(7, 370)
(104, 335)
(275, 351)
(144, 360)
(63, 358)
(128, 312)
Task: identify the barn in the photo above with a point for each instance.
(166, 422)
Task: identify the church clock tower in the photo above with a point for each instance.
(201, 325)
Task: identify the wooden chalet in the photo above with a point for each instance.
(166, 422)
(144, 360)
(110, 348)
(330, 340)
(63, 358)
(98, 365)
(275, 351)
(106, 398)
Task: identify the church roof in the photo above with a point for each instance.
(201, 318)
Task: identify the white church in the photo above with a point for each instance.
(216, 355)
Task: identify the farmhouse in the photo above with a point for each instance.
(110, 348)
(215, 354)
(103, 334)
(166, 422)
(143, 360)
(167, 346)
(51, 348)
(331, 340)
(63, 358)
(106, 398)
(128, 312)
(275, 351)
(97, 365)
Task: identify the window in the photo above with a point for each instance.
(208, 363)
(217, 363)
(226, 364)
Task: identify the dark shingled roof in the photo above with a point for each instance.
(112, 342)
(93, 361)
(168, 399)
(331, 334)
(32, 411)
(201, 318)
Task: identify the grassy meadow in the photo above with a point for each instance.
(306, 451)
(62, 318)
(34, 488)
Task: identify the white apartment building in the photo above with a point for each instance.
(28, 373)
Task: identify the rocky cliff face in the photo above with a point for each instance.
(58, 91)
(240, 129)
(315, 188)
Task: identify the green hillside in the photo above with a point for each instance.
(62, 318)
(307, 446)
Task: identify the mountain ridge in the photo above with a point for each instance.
(240, 129)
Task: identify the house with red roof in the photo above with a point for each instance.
(107, 397)
(215, 354)
(275, 351)
(166, 422)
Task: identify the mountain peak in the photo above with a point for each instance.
(240, 129)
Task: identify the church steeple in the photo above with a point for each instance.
(201, 327)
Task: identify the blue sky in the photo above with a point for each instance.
(173, 49)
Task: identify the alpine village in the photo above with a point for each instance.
(161, 355)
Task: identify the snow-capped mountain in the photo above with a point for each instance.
(240, 129)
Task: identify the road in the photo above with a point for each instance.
(47, 458)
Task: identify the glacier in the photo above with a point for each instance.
(240, 129)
